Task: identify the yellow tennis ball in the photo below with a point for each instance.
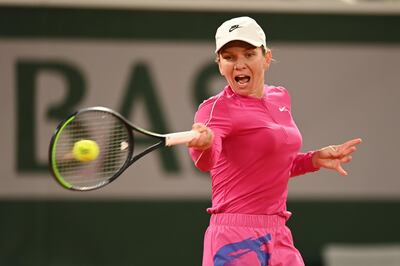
(85, 150)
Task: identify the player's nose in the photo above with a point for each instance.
(239, 65)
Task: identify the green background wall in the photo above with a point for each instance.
(59, 233)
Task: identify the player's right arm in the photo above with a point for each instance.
(205, 140)
(213, 122)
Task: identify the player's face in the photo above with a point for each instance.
(244, 66)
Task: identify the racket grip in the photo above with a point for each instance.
(180, 137)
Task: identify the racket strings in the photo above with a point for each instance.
(112, 138)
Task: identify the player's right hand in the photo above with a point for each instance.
(204, 140)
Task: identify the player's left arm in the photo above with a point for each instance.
(303, 163)
(330, 157)
(333, 156)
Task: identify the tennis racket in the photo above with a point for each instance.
(111, 147)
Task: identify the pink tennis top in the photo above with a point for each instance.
(254, 153)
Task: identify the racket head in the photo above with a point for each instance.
(115, 142)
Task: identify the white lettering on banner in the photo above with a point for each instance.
(338, 92)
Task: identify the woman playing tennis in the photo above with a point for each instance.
(251, 146)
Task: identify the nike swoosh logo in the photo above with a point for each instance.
(234, 27)
(282, 108)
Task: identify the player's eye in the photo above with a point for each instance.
(250, 54)
(227, 57)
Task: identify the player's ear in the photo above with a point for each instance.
(220, 69)
(218, 61)
(267, 58)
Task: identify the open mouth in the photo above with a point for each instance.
(242, 79)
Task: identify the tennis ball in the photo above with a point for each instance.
(85, 150)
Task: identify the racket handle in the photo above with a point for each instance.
(180, 137)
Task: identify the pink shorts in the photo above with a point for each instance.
(249, 240)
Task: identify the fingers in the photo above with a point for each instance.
(344, 149)
(337, 165)
(332, 152)
(352, 142)
(344, 152)
(205, 138)
(349, 146)
(199, 127)
(336, 155)
(340, 170)
(346, 159)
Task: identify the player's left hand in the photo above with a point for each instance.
(333, 156)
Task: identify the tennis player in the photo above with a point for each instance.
(251, 146)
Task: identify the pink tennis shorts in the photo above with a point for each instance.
(249, 240)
